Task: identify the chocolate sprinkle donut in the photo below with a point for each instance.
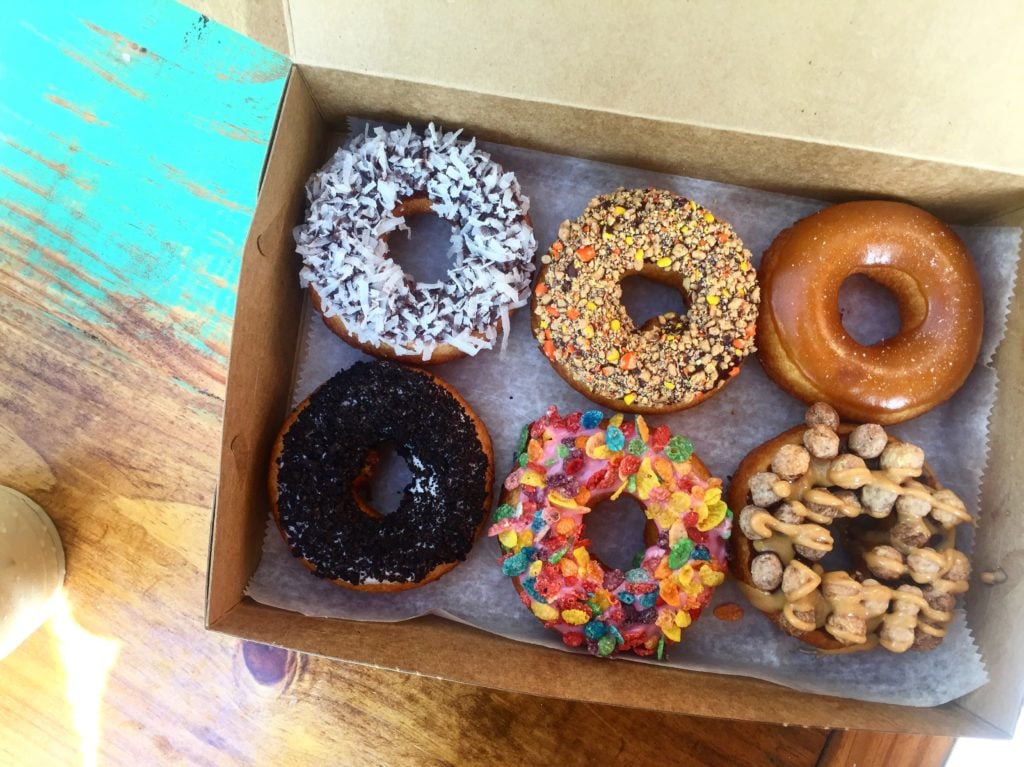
(326, 447)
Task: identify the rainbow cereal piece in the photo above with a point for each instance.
(565, 467)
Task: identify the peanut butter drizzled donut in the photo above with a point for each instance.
(900, 526)
(671, 362)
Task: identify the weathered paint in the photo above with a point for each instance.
(131, 140)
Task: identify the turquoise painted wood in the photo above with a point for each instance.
(132, 135)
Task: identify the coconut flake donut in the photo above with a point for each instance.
(671, 362)
(828, 485)
(366, 192)
(323, 458)
(568, 465)
(804, 346)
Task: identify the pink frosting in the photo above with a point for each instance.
(566, 466)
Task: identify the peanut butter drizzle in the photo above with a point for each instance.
(806, 513)
(891, 480)
(765, 601)
(846, 600)
(812, 536)
(780, 544)
(798, 623)
(840, 606)
(802, 597)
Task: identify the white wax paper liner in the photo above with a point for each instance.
(507, 389)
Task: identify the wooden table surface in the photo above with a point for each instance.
(131, 139)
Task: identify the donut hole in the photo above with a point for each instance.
(424, 252)
(851, 538)
(869, 309)
(839, 558)
(389, 477)
(646, 299)
(616, 531)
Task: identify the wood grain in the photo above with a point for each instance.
(864, 749)
(129, 169)
(124, 459)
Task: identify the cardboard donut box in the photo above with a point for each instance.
(624, 92)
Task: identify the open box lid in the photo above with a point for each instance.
(903, 79)
(714, 75)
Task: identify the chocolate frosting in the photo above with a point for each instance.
(327, 447)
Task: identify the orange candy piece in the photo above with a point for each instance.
(643, 430)
(663, 468)
(565, 526)
(669, 591)
(534, 451)
(662, 571)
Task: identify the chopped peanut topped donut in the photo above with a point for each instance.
(671, 362)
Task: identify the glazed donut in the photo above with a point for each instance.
(828, 485)
(671, 362)
(367, 191)
(568, 465)
(319, 466)
(804, 346)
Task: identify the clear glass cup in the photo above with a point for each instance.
(31, 568)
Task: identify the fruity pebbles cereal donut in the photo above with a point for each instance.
(671, 362)
(568, 465)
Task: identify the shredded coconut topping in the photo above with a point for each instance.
(352, 205)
